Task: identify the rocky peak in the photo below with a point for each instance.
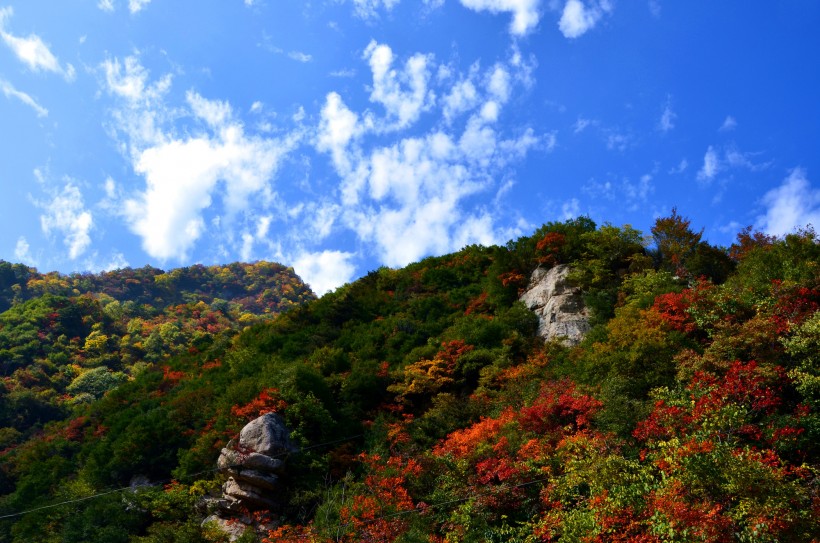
(560, 307)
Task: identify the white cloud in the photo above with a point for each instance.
(181, 177)
(581, 124)
(343, 73)
(616, 141)
(711, 165)
(369, 9)
(403, 93)
(66, 214)
(667, 120)
(32, 50)
(106, 5)
(300, 56)
(655, 8)
(10, 92)
(524, 12)
(185, 172)
(22, 252)
(135, 6)
(571, 209)
(337, 128)
(409, 198)
(794, 204)
(463, 97)
(729, 124)
(213, 112)
(578, 18)
(324, 271)
(732, 158)
(116, 262)
(680, 168)
(129, 80)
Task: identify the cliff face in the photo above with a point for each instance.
(561, 312)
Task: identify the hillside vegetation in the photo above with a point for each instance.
(424, 404)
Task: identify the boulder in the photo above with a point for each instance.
(266, 435)
(255, 465)
(560, 307)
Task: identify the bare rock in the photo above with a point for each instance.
(249, 496)
(231, 458)
(266, 435)
(560, 307)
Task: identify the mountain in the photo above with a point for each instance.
(421, 403)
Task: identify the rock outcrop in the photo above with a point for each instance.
(560, 307)
(254, 466)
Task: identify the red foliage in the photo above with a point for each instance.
(171, 376)
(747, 241)
(550, 246)
(672, 307)
(268, 401)
(699, 519)
(793, 305)
(742, 385)
(512, 278)
(462, 443)
(559, 406)
(74, 430)
(372, 515)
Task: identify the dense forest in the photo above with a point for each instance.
(423, 405)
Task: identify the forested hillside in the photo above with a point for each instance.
(423, 404)
(67, 340)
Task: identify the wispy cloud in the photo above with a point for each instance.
(403, 93)
(726, 159)
(578, 17)
(794, 204)
(32, 50)
(369, 9)
(10, 92)
(729, 124)
(134, 6)
(406, 199)
(667, 120)
(525, 15)
(343, 73)
(182, 171)
(711, 165)
(22, 252)
(65, 214)
(300, 56)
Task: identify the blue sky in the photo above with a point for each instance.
(337, 136)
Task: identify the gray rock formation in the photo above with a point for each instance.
(255, 464)
(560, 307)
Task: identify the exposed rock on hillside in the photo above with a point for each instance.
(254, 466)
(560, 307)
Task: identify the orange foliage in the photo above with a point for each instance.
(268, 401)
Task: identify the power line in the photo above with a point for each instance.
(167, 481)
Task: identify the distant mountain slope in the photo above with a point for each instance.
(66, 340)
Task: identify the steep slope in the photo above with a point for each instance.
(426, 408)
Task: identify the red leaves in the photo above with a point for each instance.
(549, 248)
(268, 401)
(793, 305)
(700, 519)
(559, 406)
(462, 443)
(672, 307)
